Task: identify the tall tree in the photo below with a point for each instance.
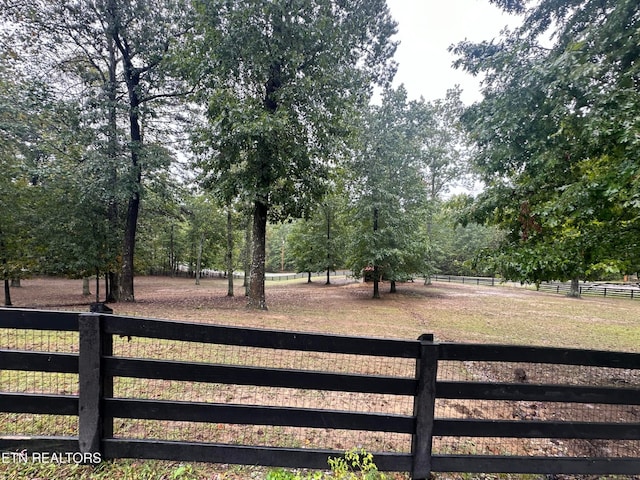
(143, 33)
(283, 81)
(112, 55)
(13, 126)
(389, 194)
(27, 118)
(443, 155)
(558, 138)
(319, 242)
(229, 255)
(443, 143)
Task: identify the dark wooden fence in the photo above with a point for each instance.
(96, 406)
(610, 290)
(466, 280)
(629, 291)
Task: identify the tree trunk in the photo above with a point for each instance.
(86, 290)
(257, 297)
(172, 254)
(264, 183)
(282, 256)
(132, 80)
(7, 293)
(309, 277)
(376, 269)
(575, 288)
(427, 277)
(246, 257)
(126, 279)
(328, 214)
(112, 292)
(97, 286)
(376, 282)
(229, 252)
(199, 259)
(393, 287)
(107, 287)
(5, 272)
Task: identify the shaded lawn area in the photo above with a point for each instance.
(453, 312)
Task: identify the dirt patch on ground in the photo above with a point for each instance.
(344, 306)
(165, 293)
(498, 314)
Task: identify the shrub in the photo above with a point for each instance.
(355, 464)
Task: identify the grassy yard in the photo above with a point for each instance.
(453, 312)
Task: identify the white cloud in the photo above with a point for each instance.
(427, 28)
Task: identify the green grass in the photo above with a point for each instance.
(120, 470)
(532, 318)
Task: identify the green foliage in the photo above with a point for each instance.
(388, 194)
(355, 464)
(442, 143)
(457, 248)
(34, 201)
(318, 243)
(282, 474)
(282, 83)
(281, 99)
(108, 61)
(184, 472)
(279, 254)
(557, 139)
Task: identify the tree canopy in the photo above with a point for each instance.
(388, 191)
(98, 177)
(283, 81)
(110, 57)
(557, 138)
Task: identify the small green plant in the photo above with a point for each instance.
(355, 464)
(183, 472)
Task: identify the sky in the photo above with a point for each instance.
(426, 28)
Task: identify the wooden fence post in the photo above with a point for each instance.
(90, 383)
(107, 381)
(424, 407)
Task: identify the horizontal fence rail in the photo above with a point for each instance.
(156, 389)
(629, 291)
(466, 280)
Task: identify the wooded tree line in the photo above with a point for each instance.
(162, 134)
(557, 136)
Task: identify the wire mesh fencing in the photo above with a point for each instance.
(262, 435)
(488, 387)
(38, 382)
(538, 411)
